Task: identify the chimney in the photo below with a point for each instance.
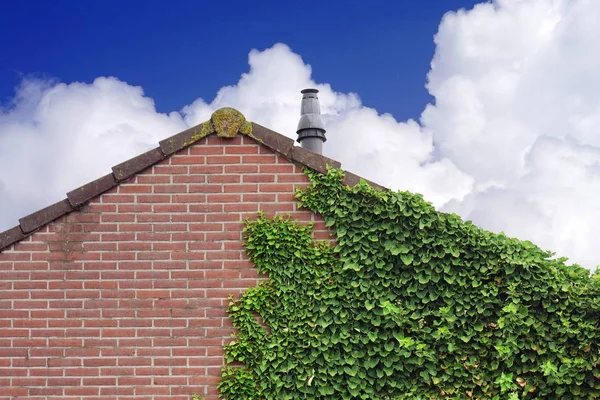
(311, 129)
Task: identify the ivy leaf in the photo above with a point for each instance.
(407, 258)
(352, 266)
(341, 320)
(351, 370)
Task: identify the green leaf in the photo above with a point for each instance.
(408, 303)
(407, 258)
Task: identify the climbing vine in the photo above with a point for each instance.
(410, 303)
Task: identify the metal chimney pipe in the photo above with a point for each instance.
(311, 128)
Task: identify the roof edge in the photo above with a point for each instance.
(36, 220)
(77, 198)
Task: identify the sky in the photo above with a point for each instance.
(489, 109)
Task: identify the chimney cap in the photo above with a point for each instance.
(311, 128)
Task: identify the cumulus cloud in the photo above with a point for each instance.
(517, 92)
(511, 141)
(64, 135)
(56, 137)
(392, 153)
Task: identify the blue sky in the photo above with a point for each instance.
(178, 51)
(506, 133)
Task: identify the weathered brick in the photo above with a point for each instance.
(127, 295)
(223, 159)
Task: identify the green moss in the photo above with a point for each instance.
(206, 130)
(229, 121)
(226, 122)
(246, 128)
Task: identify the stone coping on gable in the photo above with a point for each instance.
(76, 198)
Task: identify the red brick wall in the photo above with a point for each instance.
(126, 298)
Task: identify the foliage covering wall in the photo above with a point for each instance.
(411, 304)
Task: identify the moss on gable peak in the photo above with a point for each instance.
(227, 122)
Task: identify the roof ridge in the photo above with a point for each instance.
(77, 198)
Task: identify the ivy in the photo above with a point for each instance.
(410, 303)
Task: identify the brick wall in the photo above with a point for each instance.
(126, 298)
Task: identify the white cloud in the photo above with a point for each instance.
(511, 142)
(517, 93)
(56, 137)
(395, 154)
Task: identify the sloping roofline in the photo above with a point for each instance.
(82, 195)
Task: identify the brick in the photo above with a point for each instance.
(205, 188)
(117, 198)
(240, 207)
(151, 371)
(277, 207)
(44, 391)
(205, 169)
(170, 188)
(178, 160)
(258, 198)
(170, 169)
(276, 187)
(30, 285)
(189, 198)
(144, 281)
(218, 141)
(169, 227)
(241, 149)
(154, 198)
(100, 362)
(259, 159)
(187, 255)
(206, 150)
(241, 169)
(100, 381)
(224, 179)
(259, 178)
(248, 188)
(23, 246)
(152, 179)
(134, 381)
(223, 255)
(64, 362)
(4, 352)
(171, 380)
(14, 314)
(63, 382)
(15, 391)
(171, 361)
(117, 371)
(189, 179)
(135, 189)
(20, 323)
(294, 178)
(223, 198)
(277, 169)
(223, 159)
(83, 372)
(85, 391)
